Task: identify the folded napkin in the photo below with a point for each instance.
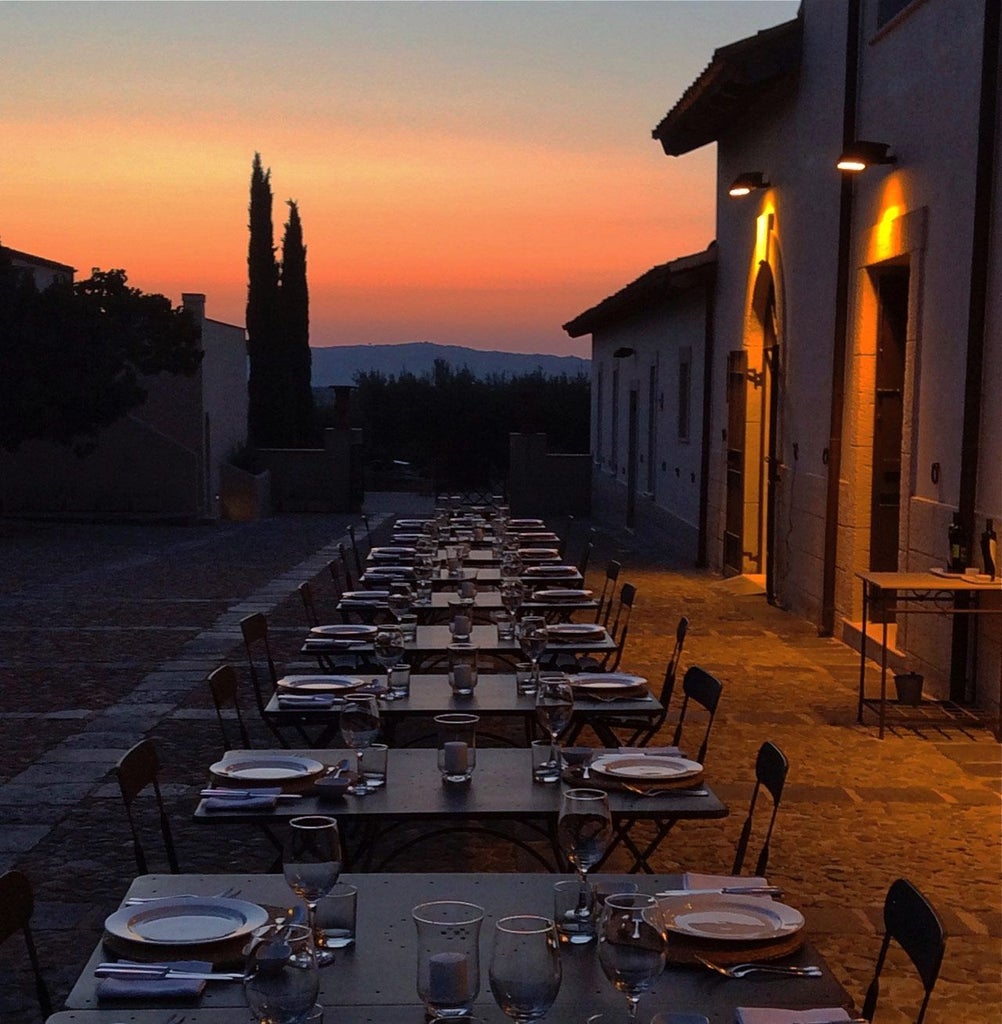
(263, 799)
(695, 880)
(767, 1015)
(307, 700)
(156, 988)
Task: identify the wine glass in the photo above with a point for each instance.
(554, 707)
(281, 983)
(359, 723)
(311, 863)
(525, 966)
(631, 944)
(399, 600)
(512, 595)
(388, 646)
(532, 638)
(584, 831)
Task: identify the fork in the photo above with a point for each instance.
(641, 791)
(740, 970)
(135, 900)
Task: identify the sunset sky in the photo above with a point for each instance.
(472, 173)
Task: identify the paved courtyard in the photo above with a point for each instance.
(108, 632)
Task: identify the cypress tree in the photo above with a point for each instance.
(262, 315)
(294, 304)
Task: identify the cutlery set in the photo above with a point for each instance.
(728, 890)
(153, 972)
(742, 970)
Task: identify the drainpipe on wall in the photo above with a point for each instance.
(826, 627)
(980, 260)
(710, 285)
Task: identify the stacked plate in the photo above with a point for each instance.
(538, 554)
(562, 594)
(646, 768)
(186, 921)
(608, 684)
(266, 769)
(551, 570)
(576, 632)
(319, 684)
(728, 919)
(345, 631)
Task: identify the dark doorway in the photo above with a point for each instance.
(885, 490)
(631, 463)
(737, 371)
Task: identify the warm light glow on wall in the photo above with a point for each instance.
(886, 238)
(763, 223)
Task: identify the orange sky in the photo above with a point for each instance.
(469, 173)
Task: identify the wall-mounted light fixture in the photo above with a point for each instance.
(746, 183)
(861, 155)
(622, 353)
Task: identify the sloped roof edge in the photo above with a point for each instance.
(646, 291)
(38, 261)
(736, 76)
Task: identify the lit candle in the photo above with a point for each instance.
(456, 757)
(449, 973)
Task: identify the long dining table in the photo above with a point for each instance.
(502, 799)
(373, 980)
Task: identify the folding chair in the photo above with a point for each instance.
(349, 580)
(17, 903)
(608, 592)
(911, 921)
(618, 632)
(137, 769)
(639, 730)
(359, 568)
(771, 768)
(699, 687)
(224, 685)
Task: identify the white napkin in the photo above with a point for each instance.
(263, 801)
(695, 880)
(306, 700)
(767, 1015)
(155, 988)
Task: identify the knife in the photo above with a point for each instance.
(729, 890)
(148, 972)
(249, 794)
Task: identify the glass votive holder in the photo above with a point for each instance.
(463, 669)
(337, 915)
(544, 768)
(525, 679)
(408, 626)
(457, 746)
(374, 765)
(574, 911)
(399, 680)
(505, 622)
(460, 627)
(448, 956)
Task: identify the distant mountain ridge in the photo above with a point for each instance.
(339, 364)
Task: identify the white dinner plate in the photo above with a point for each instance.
(538, 554)
(738, 918)
(267, 768)
(186, 920)
(521, 524)
(345, 631)
(606, 682)
(319, 684)
(561, 594)
(551, 570)
(394, 552)
(649, 767)
(365, 595)
(576, 631)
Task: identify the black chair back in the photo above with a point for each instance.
(671, 669)
(699, 687)
(605, 598)
(17, 904)
(224, 684)
(911, 921)
(254, 629)
(138, 768)
(771, 768)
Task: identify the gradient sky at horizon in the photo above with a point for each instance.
(471, 173)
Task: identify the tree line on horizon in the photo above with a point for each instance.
(453, 427)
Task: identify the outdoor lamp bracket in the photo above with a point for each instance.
(862, 154)
(747, 182)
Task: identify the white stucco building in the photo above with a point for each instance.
(856, 334)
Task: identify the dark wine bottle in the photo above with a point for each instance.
(958, 560)
(989, 550)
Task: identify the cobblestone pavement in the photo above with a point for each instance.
(108, 632)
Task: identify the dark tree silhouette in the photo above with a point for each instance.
(294, 305)
(262, 314)
(73, 357)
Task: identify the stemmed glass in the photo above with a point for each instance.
(525, 967)
(399, 600)
(311, 863)
(512, 595)
(359, 723)
(532, 638)
(387, 648)
(584, 831)
(554, 707)
(631, 944)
